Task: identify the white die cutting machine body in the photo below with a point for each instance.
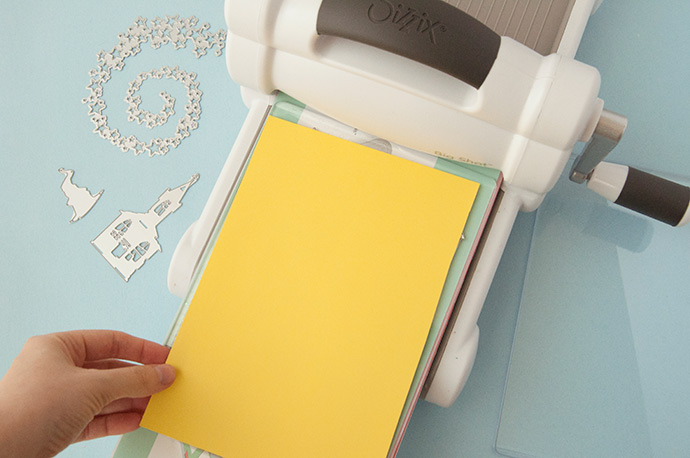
(425, 75)
(490, 100)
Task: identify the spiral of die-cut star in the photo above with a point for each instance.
(157, 32)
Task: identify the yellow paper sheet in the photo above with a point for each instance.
(305, 331)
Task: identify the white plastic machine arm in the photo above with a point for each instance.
(423, 74)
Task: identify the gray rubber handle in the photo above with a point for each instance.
(430, 32)
(654, 196)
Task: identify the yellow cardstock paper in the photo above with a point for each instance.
(304, 333)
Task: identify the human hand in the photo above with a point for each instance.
(72, 386)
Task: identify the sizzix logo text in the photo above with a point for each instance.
(407, 19)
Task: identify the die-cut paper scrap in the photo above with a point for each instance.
(80, 199)
(157, 32)
(132, 238)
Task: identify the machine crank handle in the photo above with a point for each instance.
(634, 189)
(642, 192)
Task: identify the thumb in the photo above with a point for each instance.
(135, 381)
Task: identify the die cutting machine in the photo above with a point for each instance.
(427, 76)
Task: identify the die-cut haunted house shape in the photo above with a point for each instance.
(132, 239)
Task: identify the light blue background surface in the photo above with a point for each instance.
(53, 279)
(599, 366)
